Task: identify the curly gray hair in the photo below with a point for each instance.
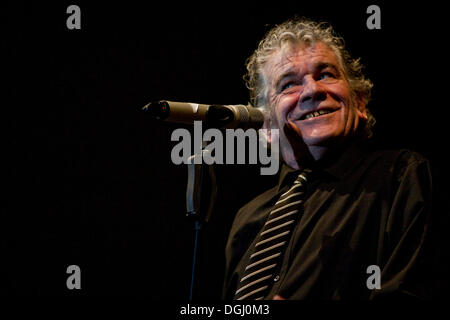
(304, 31)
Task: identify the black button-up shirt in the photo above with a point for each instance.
(360, 209)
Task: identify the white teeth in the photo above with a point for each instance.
(317, 113)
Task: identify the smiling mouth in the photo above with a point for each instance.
(316, 114)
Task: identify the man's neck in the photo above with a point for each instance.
(318, 154)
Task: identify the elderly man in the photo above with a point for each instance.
(344, 221)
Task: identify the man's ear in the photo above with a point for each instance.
(361, 107)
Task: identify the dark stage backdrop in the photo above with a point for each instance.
(89, 182)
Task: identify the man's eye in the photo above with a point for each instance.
(287, 86)
(326, 75)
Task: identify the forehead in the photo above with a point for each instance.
(299, 58)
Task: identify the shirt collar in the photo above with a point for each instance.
(286, 175)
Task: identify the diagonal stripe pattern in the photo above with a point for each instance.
(268, 250)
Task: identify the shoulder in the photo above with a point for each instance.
(247, 222)
(405, 157)
(402, 161)
(257, 203)
(396, 161)
(404, 174)
(400, 156)
(250, 216)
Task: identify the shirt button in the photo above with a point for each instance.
(276, 278)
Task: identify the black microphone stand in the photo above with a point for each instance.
(200, 177)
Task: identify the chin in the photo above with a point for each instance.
(321, 140)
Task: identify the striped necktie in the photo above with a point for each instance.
(268, 250)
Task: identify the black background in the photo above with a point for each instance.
(88, 181)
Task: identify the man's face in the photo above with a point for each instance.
(308, 88)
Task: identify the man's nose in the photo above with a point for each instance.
(312, 91)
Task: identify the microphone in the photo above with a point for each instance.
(213, 116)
